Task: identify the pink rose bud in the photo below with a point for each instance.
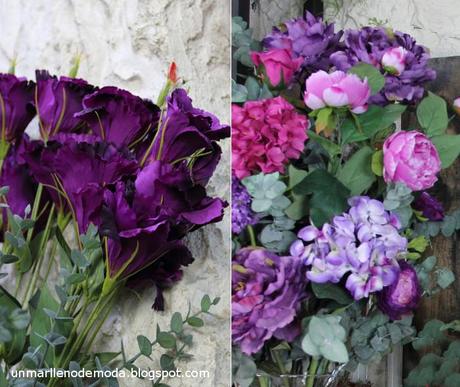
(394, 60)
(410, 157)
(279, 65)
(336, 89)
(456, 105)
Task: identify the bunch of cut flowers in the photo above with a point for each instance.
(333, 208)
(104, 194)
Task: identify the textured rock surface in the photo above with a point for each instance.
(129, 44)
(267, 13)
(432, 23)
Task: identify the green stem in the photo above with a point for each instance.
(101, 322)
(312, 372)
(252, 235)
(41, 256)
(93, 317)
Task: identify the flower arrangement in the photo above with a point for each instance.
(333, 207)
(106, 193)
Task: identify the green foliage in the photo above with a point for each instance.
(432, 115)
(326, 337)
(369, 125)
(243, 368)
(243, 42)
(267, 192)
(174, 341)
(398, 199)
(13, 326)
(440, 366)
(374, 78)
(448, 146)
(433, 278)
(330, 291)
(447, 226)
(377, 163)
(374, 335)
(356, 174)
(328, 195)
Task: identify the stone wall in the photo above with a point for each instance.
(129, 44)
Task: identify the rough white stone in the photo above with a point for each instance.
(129, 44)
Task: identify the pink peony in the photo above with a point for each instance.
(394, 60)
(279, 64)
(336, 89)
(266, 134)
(412, 159)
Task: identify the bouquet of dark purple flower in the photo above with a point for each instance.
(331, 213)
(129, 177)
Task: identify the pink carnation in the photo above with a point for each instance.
(266, 134)
(410, 158)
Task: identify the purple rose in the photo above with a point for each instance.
(403, 295)
(429, 206)
(16, 101)
(266, 294)
(119, 117)
(58, 99)
(410, 157)
(388, 50)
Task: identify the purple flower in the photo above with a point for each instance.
(57, 101)
(119, 117)
(242, 215)
(429, 206)
(77, 168)
(16, 107)
(309, 38)
(363, 243)
(188, 138)
(378, 47)
(266, 294)
(403, 295)
(16, 176)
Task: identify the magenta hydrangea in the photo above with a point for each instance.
(362, 244)
(266, 135)
(266, 294)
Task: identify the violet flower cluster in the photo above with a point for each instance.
(307, 37)
(267, 291)
(363, 244)
(242, 214)
(112, 159)
(404, 63)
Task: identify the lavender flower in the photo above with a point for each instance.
(242, 215)
(429, 206)
(374, 45)
(266, 295)
(309, 38)
(364, 243)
